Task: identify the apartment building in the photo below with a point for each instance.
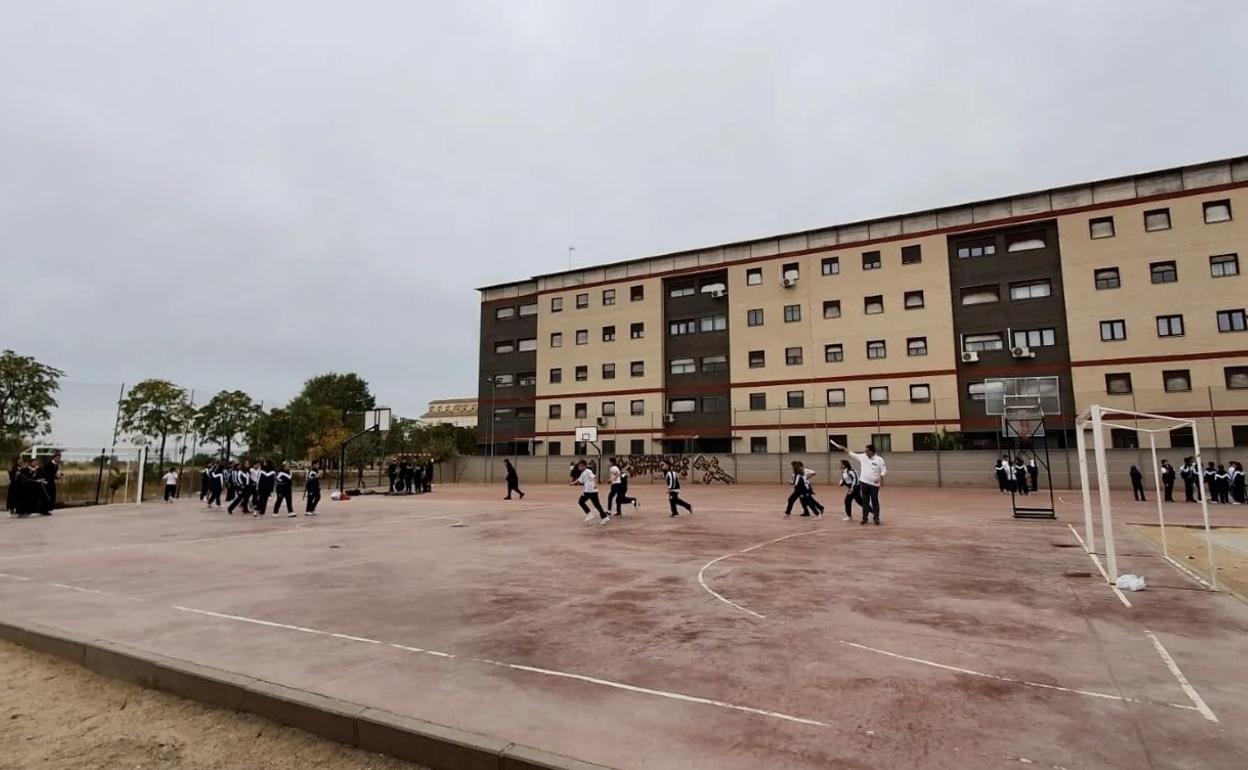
(896, 330)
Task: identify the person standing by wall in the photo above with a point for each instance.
(1002, 470)
(1239, 492)
(1167, 481)
(1137, 484)
(513, 481)
(871, 472)
(1187, 472)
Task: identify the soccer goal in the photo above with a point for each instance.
(96, 475)
(1098, 418)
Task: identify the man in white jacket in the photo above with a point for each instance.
(870, 478)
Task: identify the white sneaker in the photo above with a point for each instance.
(589, 517)
(847, 518)
(604, 520)
(290, 515)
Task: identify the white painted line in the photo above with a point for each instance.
(1096, 560)
(755, 547)
(519, 667)
(982, 675)
(16, 577)
(1179, 566)
(1188, 690)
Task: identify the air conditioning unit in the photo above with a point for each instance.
(669, 418)
(1022, 352)
(717, 294)
(970, 357)
(789, 283)
(602, 422)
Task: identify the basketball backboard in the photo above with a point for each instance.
(377, 419)
(1003, 393)
(587, 434)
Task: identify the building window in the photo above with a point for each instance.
(1113, 330)
(839, 439)
(580, 448)
(637, 407)
(682, 366)
(503, 414)
(504, 380)
(831, 308)
(554, 411)
(714, 363)
(1034, 338)
(792, 313)
(913, 300)
(608, 371)
(608, 296)
(526, 379)
(982, 248)
(527, 345)
(830, 266)
(637, 446)
(714, 404)
(608, 334)
(1176, 380)
(582, 336)
(758, 401)
(1182, 437)
(1239, 435)
(1157, 219)
(876, 349)
(878, 394)
(753, 276)
(554, 448)
(503, 313)
(1118, 383)
(833, 352)
(792, 356)
(1121, 438)
(682, 405)
(506, 346)
(1224, 265)
(528, 310)
(920, 394)
(836, 397)
(754, 317)
(981, 295)
(758, 445)
(682, 290)
(1169, 326)
(582, 373)
(975, 343)
(790, 271)
(637, 369)
(556, 304)
(916, 346)
(1031, 289)
(676, 328)
(582, 301)
(556, 375)
(1025, 242)
(758, 359)
(636, 293)
(608, 446)
(1231, 321)
(871, 260)
(795, 399)
(977, 391)
(608, 409)
(713, 323)
(1101, 227)
(637, 331)
(1217, 211)
(556, 339)
(580, 411)
(911, 255)
(1236, 377)
(797, 443)
(1163, 272)
(1106, 278)
(883, 442)
(873, 305)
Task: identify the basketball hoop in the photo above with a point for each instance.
(587, 434)
(1023, 422)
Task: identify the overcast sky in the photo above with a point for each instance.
(243, 194)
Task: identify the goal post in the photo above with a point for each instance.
(1098, 418)
(96, 475)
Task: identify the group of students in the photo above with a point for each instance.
(1223, 484)
(861, 487)
(410, 477)
(249, 486)
(32, 486)
(1016, 477)
(584, 474)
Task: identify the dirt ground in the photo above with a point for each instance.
(1187, 546)
(55, 715)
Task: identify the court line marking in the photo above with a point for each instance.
(1179, 566)
(1096, 560)
(1197, 701)
(519, 667)
(755, 547)
(1042, 685)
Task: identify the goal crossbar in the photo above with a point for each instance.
(135, 454)
(1094, 417)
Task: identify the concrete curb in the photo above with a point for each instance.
(426, 743)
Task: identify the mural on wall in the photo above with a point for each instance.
(706, 470)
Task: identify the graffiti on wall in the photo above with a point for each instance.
(701, 468)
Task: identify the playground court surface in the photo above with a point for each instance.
(950, 637)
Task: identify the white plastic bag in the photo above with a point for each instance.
(1130, 583)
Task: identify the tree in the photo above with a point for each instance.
(272, 434)
(27, 396)
(347, 393)
(443, 441)
(156, 408)
(228, 414)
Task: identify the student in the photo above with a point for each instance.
(1239, 493)
(672, 479)
(1002, 470)
(253, 481)
(312, 489)
(264, 487)
(1033, 474)
(10, 492)
(30, 494)
(392, 472)
(428, 485)
(231, 476)
(589, 493)
(620, 489)
(171, 485)
(803, 492)
(1187, 472)
(1137, 484)
(1208, 476)
(513, 482)
(242, 488)
(1221, 486)
(205, 482)
(1020, 476)
(285, 484)
(1167, 480)
(849, 480)
(216, 477)
(871, 472)
(613, 479)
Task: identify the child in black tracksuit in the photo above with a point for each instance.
(285, 486)
(672, 479)
(264, 487)
(312, 490)
(849, 480)
(1137, 483)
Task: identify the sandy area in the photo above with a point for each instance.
(58, 716)
(1185, 542)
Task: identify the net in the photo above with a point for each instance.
(1023, 422)
(97, 475)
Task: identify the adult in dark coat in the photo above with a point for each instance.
(50, 472)
(513, 480)
(429, 475)
(10, 492)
